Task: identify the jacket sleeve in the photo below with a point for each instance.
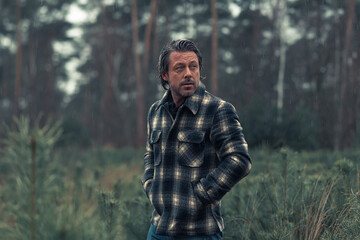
(148, 175)
(231, 148)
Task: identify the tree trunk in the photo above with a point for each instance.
(254, 52)
(156, 44)
(156, 50)
(151, 47)
(351, 99)
(140, 120)
(5, 94)
(49, 105)
(87, 118)
(214, 49)
(18, 75)
(282, 64)
(339, 137)
(320, 54)
(148, 31)
(337, 69)
(167, 25)
(107, 106)
(32, 68)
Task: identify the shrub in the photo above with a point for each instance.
(301, 129)
(74, 134)
(287, 201)
(260, 126)
(34, 186)
(288, 195)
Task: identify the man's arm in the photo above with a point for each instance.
(231, 148)
(148, 175)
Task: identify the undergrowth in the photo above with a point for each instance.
(60, 193)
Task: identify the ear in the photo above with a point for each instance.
(165, 76)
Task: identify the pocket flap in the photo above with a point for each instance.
(191, 136)
(155, 136)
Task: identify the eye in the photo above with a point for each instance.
(179, 68)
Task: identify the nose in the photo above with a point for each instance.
(187, 72)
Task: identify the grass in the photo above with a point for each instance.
(96, 193)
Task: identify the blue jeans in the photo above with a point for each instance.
(153, 236)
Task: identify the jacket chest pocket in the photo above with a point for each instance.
(191, 148)
(155, 140)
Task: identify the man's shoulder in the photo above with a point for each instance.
(155, 105)
(211, 100)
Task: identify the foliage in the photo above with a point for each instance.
(290, 202)
(97, 194)
(35, 181)
(357, 137)
(301, 129)
(298, 130)
(135, 220)
(109, 211)
(74, 133)
(92, 56)
(260, 126)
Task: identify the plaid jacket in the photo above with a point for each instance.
(191, 162)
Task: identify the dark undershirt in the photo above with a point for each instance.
(172, 107)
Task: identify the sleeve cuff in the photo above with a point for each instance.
(147, 186)
(201, 193)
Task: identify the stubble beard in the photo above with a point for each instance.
(187, 93)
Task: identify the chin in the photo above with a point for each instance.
(188, 94)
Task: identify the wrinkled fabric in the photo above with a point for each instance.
(191, 162)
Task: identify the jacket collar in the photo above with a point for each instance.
(192, 103)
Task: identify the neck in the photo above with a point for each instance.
(178, 100)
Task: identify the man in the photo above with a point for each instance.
(195, 151)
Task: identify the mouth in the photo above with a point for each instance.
(188, 84)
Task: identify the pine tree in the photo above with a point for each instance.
(109, 211)
(29, 150)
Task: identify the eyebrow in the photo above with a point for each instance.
(182, 63)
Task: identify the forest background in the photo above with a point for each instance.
(290, 67)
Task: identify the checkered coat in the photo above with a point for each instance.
(191, 162)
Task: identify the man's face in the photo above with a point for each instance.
(183, 75)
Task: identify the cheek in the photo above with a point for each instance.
(173, 81)
(197, 76)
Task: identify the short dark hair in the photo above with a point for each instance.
(182, 45)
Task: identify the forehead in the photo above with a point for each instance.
(182, 57)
